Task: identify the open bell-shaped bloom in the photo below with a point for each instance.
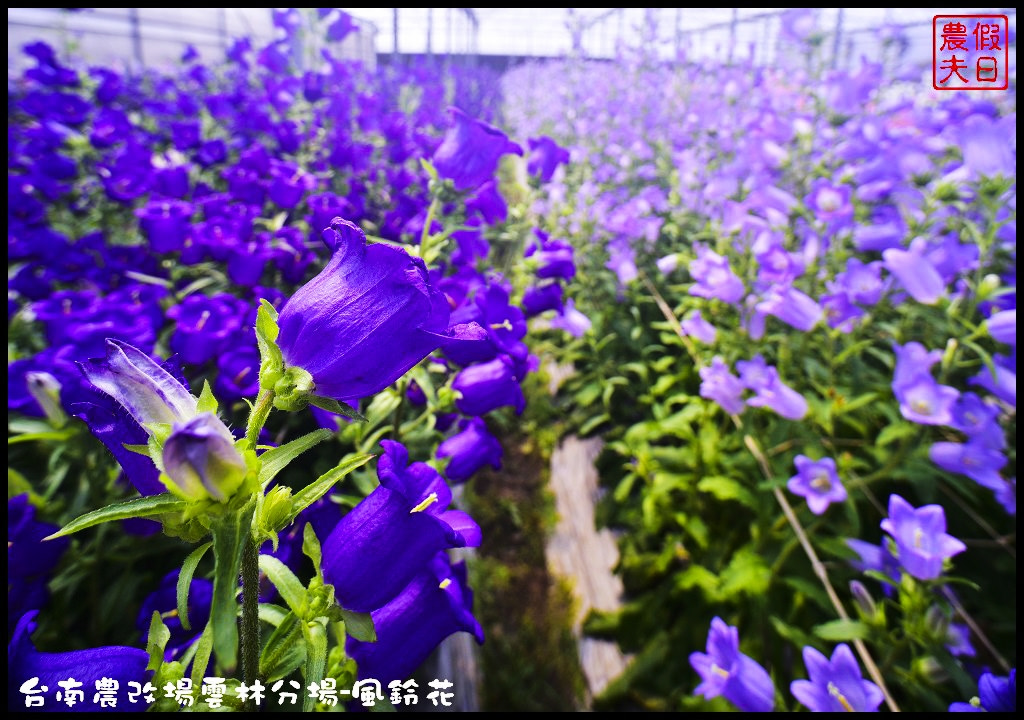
(401, 525)
(470, 151)
(365, 320)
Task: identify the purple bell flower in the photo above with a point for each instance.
(720, 385)
(770, 391)
(791, 307)
(725, 671)
(836, 684)
(203, 326)
(571, 320)
(402, 524)
(921, 540)
(545, 157)
(915, 272)
(472, 448)
(487, 386)
(367, 318)
(470, 151)
(435, 604)
(995, 694)
(33, 676)
(541, 298)
(165, 223)
(30, 562)
(818, 482)
(715, 279)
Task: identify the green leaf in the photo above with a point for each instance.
(842, 630)
(139, 507)
(285, 649)
(291, 589)
(896, 431)
(188, 569)
(230, 533)
(723, 488)
(274, 461)
(311, 546)
(156, 642)
(746, 573)
(334, 406)
(319, 487)
(207, 402)
(316, 659)
(52, 435)
(359, 625)
(201, 660)
(272, 614)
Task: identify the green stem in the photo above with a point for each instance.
(427, 236)
(258, 417)
(250, 617)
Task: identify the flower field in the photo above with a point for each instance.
(271, 320)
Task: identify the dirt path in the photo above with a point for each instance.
(583, 555)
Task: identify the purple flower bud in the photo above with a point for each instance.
(149, 393)
(201, 460)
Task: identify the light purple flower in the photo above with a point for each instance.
(818, 482)
(720, 385)
(915, 272)
(697, 327)
(715, 279)
(725, 671)
(791, 307)
(770, 391)
(836, 684)
(974, 459)
(924, 401)
(921, 540)
(1002, 326)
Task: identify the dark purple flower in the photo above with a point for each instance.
(288, 183)
(36, 674)
(487, 386)
(488, 203)
(725, 671)
(30, 562)
(818, 482)
(875, 557)
(836, 684)
(435, 604)
(378, 310)
(341, 27)
(995, 694)
(921, 540)
(203, 326)
(470, 151)
(545, 157)
(165, 223)
(541, 298)
(470, 449)
(402, 524)
(238, 373)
